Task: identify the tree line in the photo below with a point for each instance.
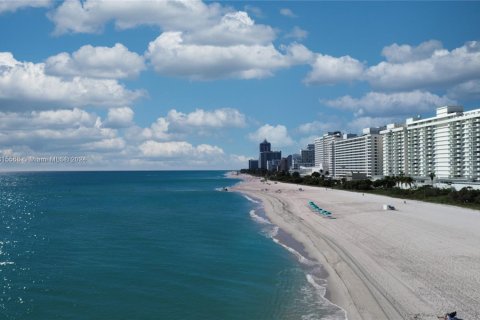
(401, 186)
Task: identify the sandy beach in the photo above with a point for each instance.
(416, 262)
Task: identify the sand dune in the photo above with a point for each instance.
(416, 262)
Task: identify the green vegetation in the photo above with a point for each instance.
(388, 186)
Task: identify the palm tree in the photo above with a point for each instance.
(432, 176)
(400, 179)
(409, 181)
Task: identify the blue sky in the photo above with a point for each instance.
(197, 85)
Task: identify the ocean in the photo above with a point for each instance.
(147, 245)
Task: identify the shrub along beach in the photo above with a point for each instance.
(399, 187)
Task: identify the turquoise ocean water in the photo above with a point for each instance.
(146, 245)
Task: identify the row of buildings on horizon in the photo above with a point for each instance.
(447, 145)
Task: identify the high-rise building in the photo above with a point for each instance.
(294, 161)
(283, 165)
(359, 154)
(324, 151)
(265, 146)
(447, 145)
(266, 154)
(394, 150)
(253, 164)
(269, 156)
(308, 156)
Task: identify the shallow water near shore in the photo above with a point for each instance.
(316, 295)
(145, 245)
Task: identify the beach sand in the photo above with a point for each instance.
(417, 262)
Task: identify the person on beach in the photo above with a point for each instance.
(451, 316)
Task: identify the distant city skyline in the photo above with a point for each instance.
(198, 85)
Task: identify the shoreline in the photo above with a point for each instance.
(315, 273)
(376, 270)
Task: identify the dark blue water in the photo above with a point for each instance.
(143, 245)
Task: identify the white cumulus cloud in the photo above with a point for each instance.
(276, 135)
(119, 117)
(200, 122)
(14, 5)
(330, 70)
(398, 103)
(233, 28)
(199, 41)
(25, 85)
(76, 132)
(46, 139)
(171, 55)
(319, 127)
(173, 149)
(158, 130)
(110, 144)
(239, 159)
(64, 118)
(469, 90)
(90, 16)
(218, 118)
(201, 23)
(404, 53)
(97, 62)
(297, 33)
(425, 66)
(52, 119)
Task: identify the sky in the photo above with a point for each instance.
(166, 85)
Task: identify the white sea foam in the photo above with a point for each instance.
(318, 284)
(4, 263)
(230, 174)
(297, 254)
(271, 231)
(321, 288)
(258, 218)
(250, 199)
